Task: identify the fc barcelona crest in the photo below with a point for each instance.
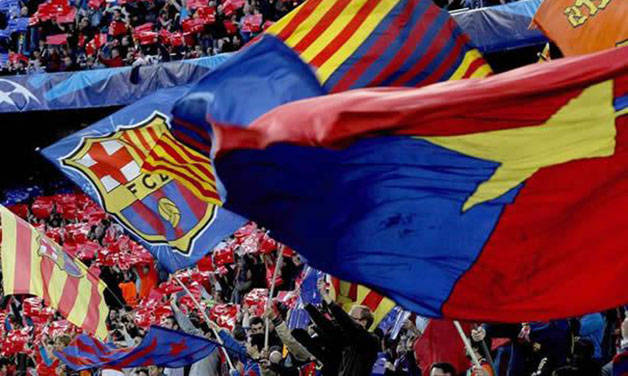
(159, 188)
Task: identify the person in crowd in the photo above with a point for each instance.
(359, 346)
(442, 369)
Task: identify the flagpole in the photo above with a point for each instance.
(467, 345)
(270, 294)
(207, 320)
(488, 353)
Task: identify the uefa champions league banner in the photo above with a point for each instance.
(100, 87)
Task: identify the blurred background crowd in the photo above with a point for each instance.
(313, 337)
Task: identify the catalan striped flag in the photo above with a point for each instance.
(346, 294)
(33, 264)
(162, 153)
(323, 47)
(362, 43)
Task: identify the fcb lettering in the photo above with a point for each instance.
(113, 164)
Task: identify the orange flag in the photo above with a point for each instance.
(33, 264)
(584, 26)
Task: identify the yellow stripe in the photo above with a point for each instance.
(301, 31)
(192, 165)
(147, 136)
(55, 285)
(382, 310)
(278, 26)
(362, 293)
(133, 139)
(482, 71)
(37, 281)
(359, 36)
(81, 304)
(101, 331)
(622, 112)
(333, 30)
(182, 169)
(469, 58)
(7, 249)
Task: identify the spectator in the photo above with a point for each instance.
(442, 369)
(359, 346)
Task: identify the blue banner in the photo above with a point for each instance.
(161, 347)
(100, 87)
(107, 161)
(501, 27)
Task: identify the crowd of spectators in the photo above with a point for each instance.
(69, 35)
(232, 285)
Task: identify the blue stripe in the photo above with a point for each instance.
(620, 103)
(360, 53)
(441, 57)
(140, 224)
(188, 219)
(466, 48)
(425, 43)
(369, 75)
(400, 230)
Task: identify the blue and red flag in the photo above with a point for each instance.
(327, 46)
(159, 189)
(500, 199)
(161, 347)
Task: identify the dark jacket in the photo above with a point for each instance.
(360, 347)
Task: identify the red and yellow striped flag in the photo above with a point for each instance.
(161, 153)
(33, 264)
(346, 294)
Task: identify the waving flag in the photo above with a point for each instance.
(327, 46)
(346, 294)
(35, 265)
(160, 190)
(581, 27)
(499, 199)
(161, 347)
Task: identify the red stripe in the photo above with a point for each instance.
(165, 165)
(445, 65)
(377, 49)
(138, 150)
(155, 138)
(193, 156)
(140, 354)
(345, 34)
(193, 128)
(550, 271)
(178, 231)
(69, 295)
(322, 25)
(298, 19)
(474, 66)
(372, 300)
(180, 159)
(22, 273)
(193, 202)
(140, 137)
(353, 292)
(149, 217)
(202, 190)
(47, 266)
(191, 141)
(415, 36)
(443, 36)
(92, 319)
